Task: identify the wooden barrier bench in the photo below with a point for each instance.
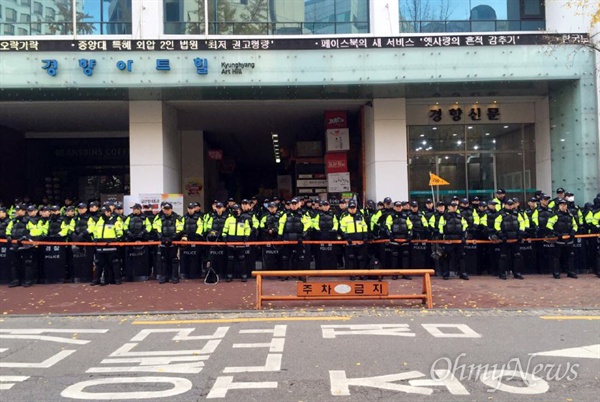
(426, 295)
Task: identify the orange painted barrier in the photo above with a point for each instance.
(281, 242)
(426, 296)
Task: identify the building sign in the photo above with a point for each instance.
(309, 183)
(336, 119)
(320, 289)
(235, 68)
(455, 114)
(439, 41)
(215, 154)
(336, 162)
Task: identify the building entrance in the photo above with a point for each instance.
(475, 159)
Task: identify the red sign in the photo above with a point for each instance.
(336, 162)
(215, 154)
(320, 289)
(335, 119)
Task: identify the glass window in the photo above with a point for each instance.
(267, 17)
(94, 17)
(475, 159)
(468, 15)
(11, 15)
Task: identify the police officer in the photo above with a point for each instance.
(492, 251)
(560, 194)
(193, 230)
(354, 230)
(137, 228)
(4, 253)
(213, 229)
(268, 228)
(108, 228)
(54, 259)
(21, 228)
(251, 252)
(574, 210)
(500, 196)
(529, 211)
(81, 229)
(509, 225)
(398, 226)
(592, 221)
(470, 215)
(539, 219)
(168, 227)
(562, 224)
(294, 226)
(237, 229)
(452, 226)
(326, 226)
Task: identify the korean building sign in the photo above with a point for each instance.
(440, 41)
(456, 113)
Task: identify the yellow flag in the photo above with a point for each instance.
(435, 180)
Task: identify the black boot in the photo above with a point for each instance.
(116, 269)
(28, 274)
(14, 275)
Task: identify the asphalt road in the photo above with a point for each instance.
(491, 355)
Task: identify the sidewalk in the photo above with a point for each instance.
(536, 291)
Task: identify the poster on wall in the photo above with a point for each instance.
(338, 182)
(193, 186)
(338, 139)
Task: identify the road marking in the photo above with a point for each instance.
(590, 352)
(570, 317)
(220, 320)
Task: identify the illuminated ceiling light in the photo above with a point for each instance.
(459, 142)
(476, 147)
(434, 128)
(273, 135)
(487, 133)
(505, 126)
(446, 157)
(562, 140)
(495, 101)
(494, 141)
(470, 127)
(454, 135)
(277, 160)
(424, 142)
(422, 135)
(429, 149)
(275, 140)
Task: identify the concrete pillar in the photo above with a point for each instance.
(154, 148)
(192, 164)
(147, 19)
(384, 17)
(543, 162)
(574, 137)
(386, 161)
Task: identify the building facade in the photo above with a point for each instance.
(486, 94)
